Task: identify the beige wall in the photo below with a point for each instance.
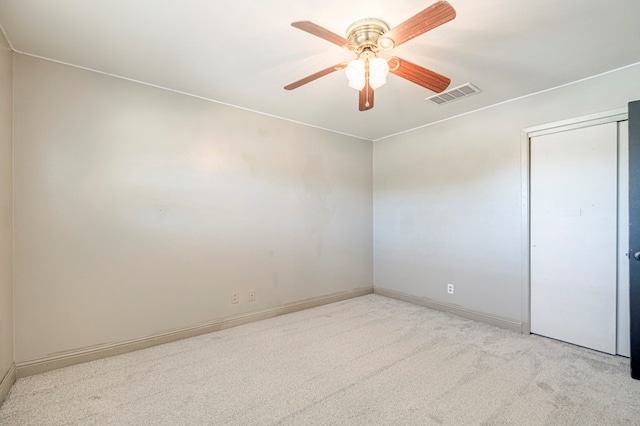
(447, 198)
(6, 208)
(139, 210)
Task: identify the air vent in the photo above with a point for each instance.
(456, 93)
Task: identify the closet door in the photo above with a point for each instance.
(623, 345)
(634, 235)
(573, 189)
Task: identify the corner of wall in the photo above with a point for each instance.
(7, 381)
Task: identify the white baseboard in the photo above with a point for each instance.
(456, 310)
(7, 381)
(42, 365)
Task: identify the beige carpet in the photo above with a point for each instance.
(365, 361)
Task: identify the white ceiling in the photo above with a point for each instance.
(242, 52)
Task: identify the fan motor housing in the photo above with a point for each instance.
(365, 33)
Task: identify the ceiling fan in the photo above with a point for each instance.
(366, 37)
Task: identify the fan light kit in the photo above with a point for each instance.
(366, 38)
(365, 34)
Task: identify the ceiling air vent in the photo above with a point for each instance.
(455, 93)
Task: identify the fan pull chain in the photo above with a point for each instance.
(367, 87)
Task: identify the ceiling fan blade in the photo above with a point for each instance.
(315, 76)
(323, 33)
(366, 96)
(418, 75)
(430, 18)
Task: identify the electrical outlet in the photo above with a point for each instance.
(252, 295)
(450, 288)
(235, 297)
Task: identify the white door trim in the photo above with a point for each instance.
(616, 115)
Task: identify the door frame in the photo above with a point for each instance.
(615, 115)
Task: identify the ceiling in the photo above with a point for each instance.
(243, 52)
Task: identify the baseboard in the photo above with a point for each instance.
(453, 309)
(66, 359)
(7, 381)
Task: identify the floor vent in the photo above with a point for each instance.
(455, 93)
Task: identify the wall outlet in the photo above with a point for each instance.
(450, 288)
(235, 297)
(252, 295)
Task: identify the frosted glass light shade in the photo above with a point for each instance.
(378, 70)
(355, 74)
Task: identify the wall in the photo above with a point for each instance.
(139, 210)
(447, 198)
(6, 209)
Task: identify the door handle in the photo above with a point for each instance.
(636, 255)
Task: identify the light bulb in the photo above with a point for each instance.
(355, 74)
(378, 70)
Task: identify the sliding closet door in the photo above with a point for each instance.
(573, 189)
